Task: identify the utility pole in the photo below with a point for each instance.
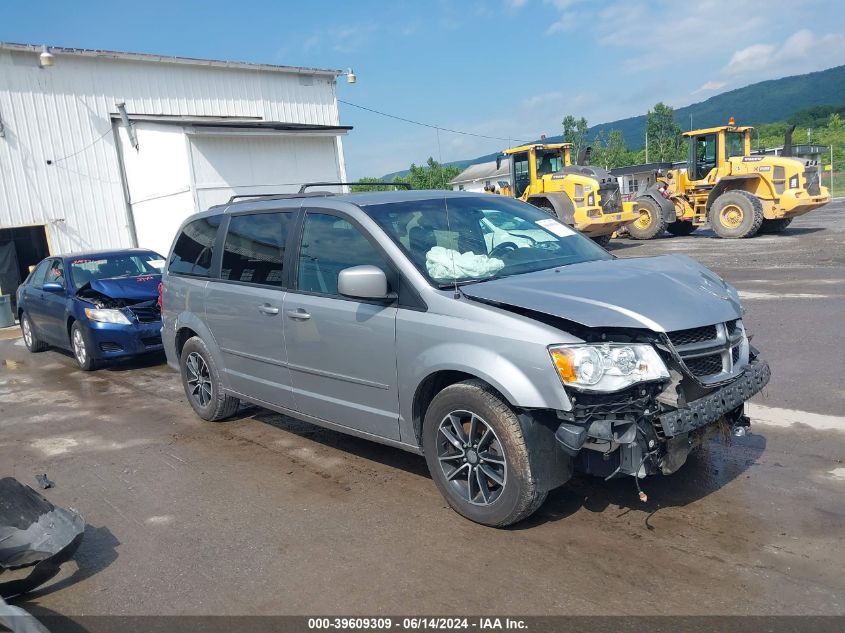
(831, 167)
(646, 145)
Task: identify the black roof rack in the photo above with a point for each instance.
(277, 196)
(308, 185)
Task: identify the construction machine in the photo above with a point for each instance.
(738, 192)
(583, 196)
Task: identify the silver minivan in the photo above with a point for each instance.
(473, 329)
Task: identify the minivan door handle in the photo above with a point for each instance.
(266, 308)
(298, 314)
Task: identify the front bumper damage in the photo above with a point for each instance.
(33, 534)
(637, 433)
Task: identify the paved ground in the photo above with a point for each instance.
(264, 515)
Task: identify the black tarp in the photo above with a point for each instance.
(10, 277)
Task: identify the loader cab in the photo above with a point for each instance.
(702, 155)
(711, 148)
(520, 172)
(529, 163)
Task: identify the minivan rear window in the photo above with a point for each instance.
(254, 250)
(193, 251)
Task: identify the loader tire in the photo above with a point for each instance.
(774, 226)
(679, 228)
(736, 215)
(602, 240)
(651, 222)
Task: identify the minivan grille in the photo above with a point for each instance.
(693, 335)
(711, 353)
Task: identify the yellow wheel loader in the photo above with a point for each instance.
(738, 192)
(583, 196)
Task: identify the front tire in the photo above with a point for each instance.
(32, 342)
(651, 222)
(81, 350)
(477, 455)
(736, 215)
(201, 380)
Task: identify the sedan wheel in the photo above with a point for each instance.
(29, 336)
(471, 457)
(80, 349)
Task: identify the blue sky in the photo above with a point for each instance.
(504, 68)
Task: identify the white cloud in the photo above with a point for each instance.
(710, 86)
(566, 22)
(516, 4)
(801, 52)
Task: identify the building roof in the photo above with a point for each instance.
(482, 171)
(166, 59)
(236, 122)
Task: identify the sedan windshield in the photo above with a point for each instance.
(84, 270)
(468, 239)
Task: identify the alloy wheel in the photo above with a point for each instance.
(79, 347)
(471, 457)
(27, 331)
(199, 379)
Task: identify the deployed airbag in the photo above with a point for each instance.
(447, 264)
(33, 533)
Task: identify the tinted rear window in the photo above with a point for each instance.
(254, 250)
(193, 251)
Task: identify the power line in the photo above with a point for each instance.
(428, 125)
(91, 144)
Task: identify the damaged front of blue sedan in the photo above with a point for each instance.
(101, 306)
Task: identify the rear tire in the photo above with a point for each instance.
(769, 227)
(602, 240)
(81, 349)
(477, 455)
(680, 228)
(736, 215)
(651, 222)
(201, 381)
(32, 342)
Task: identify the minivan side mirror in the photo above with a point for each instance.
(52, 286)
(362, 282)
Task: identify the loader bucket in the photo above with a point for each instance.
(33, 533)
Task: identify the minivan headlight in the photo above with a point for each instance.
(607, 366)
(103, 315)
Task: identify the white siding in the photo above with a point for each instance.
(64, 112)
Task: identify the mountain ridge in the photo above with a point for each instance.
(761, 102)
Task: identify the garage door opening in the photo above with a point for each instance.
(20, 248)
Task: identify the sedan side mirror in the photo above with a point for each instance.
(52, 286)
(362, 282)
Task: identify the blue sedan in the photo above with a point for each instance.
(100, 306)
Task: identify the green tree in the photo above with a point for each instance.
(373, 187)
(616, 152)
(663, 135)
(575, 132)
(432, 175)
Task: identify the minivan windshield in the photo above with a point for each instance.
(477, 238)
(84, 270)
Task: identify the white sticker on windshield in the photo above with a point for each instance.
(156, 263)
(559, 229)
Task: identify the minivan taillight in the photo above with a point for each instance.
(161, 296)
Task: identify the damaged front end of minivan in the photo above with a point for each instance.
(705, 376)
(662, 359)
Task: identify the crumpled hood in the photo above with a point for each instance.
(663, 294)
(132, 288)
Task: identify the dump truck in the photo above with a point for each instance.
(739, 193)
(583, 196)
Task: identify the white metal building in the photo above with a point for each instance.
(476, 177)
(74, 177)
